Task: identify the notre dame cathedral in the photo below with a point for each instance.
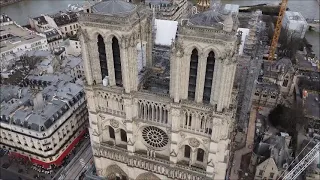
(159, 110)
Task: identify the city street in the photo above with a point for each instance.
(80, 164)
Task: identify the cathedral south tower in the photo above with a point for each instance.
(159, 110)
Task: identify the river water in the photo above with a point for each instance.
(20, 11)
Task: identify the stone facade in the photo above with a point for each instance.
(137, 133)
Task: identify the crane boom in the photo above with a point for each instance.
(277, 30)
(304, 163)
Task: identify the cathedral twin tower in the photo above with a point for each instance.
(157, 111)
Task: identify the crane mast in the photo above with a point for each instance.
(277, 30)
(303, 164)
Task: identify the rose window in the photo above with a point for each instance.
(155, 137)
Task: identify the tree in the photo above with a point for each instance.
(288, 119)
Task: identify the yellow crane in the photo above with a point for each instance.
(277, 30)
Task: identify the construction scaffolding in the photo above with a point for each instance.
(250, 68)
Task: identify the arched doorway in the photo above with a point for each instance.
(114, 172)
(147, 176)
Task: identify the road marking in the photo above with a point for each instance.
(61, 177)
(82, 162)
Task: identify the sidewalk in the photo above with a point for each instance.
(29, 173)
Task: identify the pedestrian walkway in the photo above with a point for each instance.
(236, 165)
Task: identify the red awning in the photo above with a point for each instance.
(58, 161)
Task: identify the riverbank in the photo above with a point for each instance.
(8, 2)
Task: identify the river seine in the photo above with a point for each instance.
(20, 11)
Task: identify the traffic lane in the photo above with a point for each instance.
(10, 175)
(85, 146)
(73, 173)
(77, 167)
(84, 169)
(85, 160)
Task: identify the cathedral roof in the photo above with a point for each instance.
(211, 17)
(113, 7)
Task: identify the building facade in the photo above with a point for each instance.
(166, 113)
(54, 39)
(42, 127)
(66, 22)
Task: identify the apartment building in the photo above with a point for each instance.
(43, 124)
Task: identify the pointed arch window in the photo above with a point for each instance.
(200, 155)
(208, 77)
(111, 133)
(123, 135)
(117, 61)
(187, 151)
(102, 56)
(193, 74)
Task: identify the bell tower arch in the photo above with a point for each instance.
(113, 55)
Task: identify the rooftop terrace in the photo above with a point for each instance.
(14, 35)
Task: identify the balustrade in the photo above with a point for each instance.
(155, 165)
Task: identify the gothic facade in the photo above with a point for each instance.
(140, 130)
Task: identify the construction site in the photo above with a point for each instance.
(267, 76)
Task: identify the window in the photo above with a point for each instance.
(117, 61)
(260, 172)
(65, 28)
(208, 77)
(193, 74)
(187, 151)
(271, 175)
(102, 57)
(111, 132)
(285, 83)
(70, 27)
(200, 155)
(123, 135)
